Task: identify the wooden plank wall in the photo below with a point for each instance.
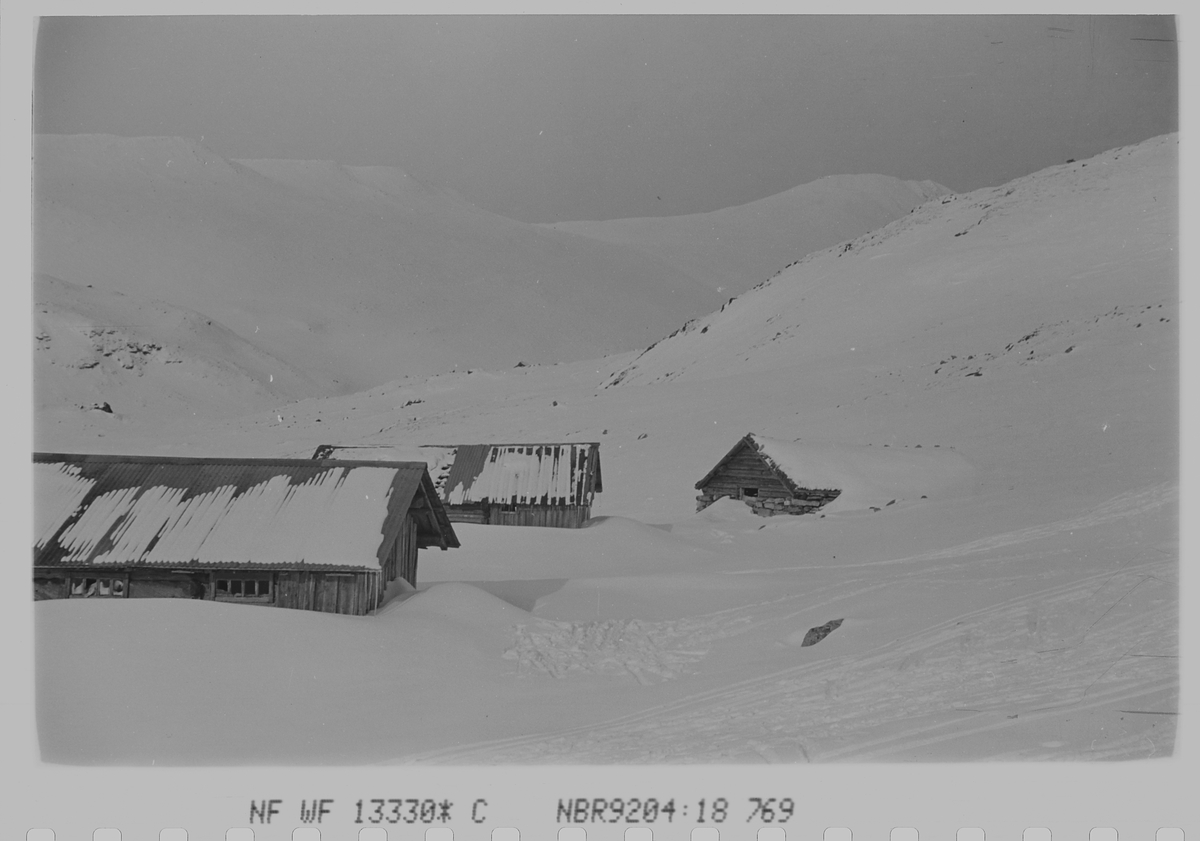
(294, 589)
(746, 469)
(390, 564)
(149, 584)
(465, 514)
(562, 517)
(327, 592)
(407, 542)
(49, 588)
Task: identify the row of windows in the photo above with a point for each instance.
(243, 588)
(83, 588)
(230, 588)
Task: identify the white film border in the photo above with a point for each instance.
(1134, 801)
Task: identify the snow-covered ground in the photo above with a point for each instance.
(1013, 350)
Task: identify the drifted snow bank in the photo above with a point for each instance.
(465, 604)
(867, 476)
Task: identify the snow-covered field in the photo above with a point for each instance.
(1009, 593)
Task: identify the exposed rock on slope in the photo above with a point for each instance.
(95, 349)
(948, 288)
(359, 274)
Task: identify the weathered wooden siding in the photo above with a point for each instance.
(353, 593)
(550, 516)
(407, 551)
(562, 517)
(390, 563)
(52, 585)
(745, 470)
(153, 584)
(467, 514)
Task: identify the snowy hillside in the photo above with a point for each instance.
(358, 274)
(735, 248)
(970, 285)
(1003, 364)
(122, 355)
(315, 262)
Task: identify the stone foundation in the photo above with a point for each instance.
(811, 500)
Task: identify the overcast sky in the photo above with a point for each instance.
(556, 118)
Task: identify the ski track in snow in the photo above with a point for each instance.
(1089, 644)
(1117, 508)
(981, 664)
(636, 647)
(643, 648)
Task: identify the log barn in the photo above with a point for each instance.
(505, 484)
(766, 476)
(299, 533)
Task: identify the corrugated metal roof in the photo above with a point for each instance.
(219, 512)
(469, 461)
(520, 474)
(438, 460)
(524, 474)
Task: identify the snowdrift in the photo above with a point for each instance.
(868, 476)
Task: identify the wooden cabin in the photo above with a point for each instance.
(307, 534)
(505, 484)
(764, 475)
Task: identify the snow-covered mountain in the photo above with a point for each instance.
(971, 285)
(355, 274)
(734, 248)
(359, 275)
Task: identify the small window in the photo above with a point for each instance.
(749, 492)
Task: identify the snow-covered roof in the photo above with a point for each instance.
(91, 509)
(524, 474)
(516, 474)
(796, 465)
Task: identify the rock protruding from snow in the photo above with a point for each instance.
(950, 281)
(815, 635)
(95, 348)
